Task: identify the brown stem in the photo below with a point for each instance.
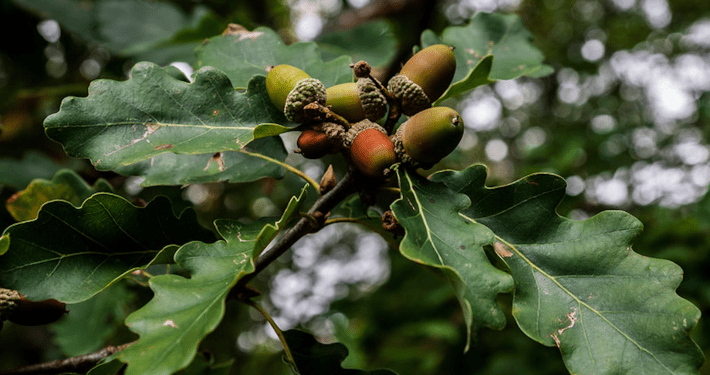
(304, 226)
(80, 364)
(316, 111)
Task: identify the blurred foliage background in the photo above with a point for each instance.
(625, 119)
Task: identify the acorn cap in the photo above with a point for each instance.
(8, 302)
(290, 89)
(424, 78)
(357, 101)
(429, 136)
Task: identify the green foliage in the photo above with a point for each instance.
(250, 53)
(121, 123)
(65, 185)
(83, 250)
(469, 256)
(184, 310)
(315, 358)
(579, 285)
(437, 236)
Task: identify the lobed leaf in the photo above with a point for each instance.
(359, 43)
(249, 53)
(438, 236)
(155, 31)
(71, 254)
(152, 113)
(232, 166)
(578, 284)
(268, 228)
(184, 310)
(65, 185)
(501, 35)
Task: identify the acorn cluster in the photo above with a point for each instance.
(349, 117)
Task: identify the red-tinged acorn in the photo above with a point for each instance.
(314, 144)
(428, 136)
(290, 89)
(371, 150)
(423, 78)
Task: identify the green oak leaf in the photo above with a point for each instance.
(121, 123)
(438, 236)
(578, 284)
(149, 30)
(501, 35)
(232, 166)
(478, 76)
(359, 43)
(250, 53)
(80, 332)
(184, 310)
(314, 358)
(65, 185)
(83, 250)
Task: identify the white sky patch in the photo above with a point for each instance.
(699, 34)
(482, 113)
(308, 26)
(496, 150)
(657, 12)
(593, 50)
(50, 31)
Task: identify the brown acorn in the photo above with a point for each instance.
(371, 150)
(19, 310)
(357, 101)
(314, 144)
(428, 136)
(423, 78)
(290, 89)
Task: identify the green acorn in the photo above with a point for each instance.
(428, 136)
(357, 101)
(291, 89)
(371, 150)
(423, 78)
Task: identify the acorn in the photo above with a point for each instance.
(356, 101)
(423, 78)
(371, 150)
(19, 310)
(290, 89)
(314, 144)
(428, 136)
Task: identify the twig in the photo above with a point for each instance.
(323, 205)
(78, 364)
(276, 328)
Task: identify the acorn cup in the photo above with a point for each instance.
(291, 89)
(356, 101)
(428, 137)
(423, 78)
(371, 150)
